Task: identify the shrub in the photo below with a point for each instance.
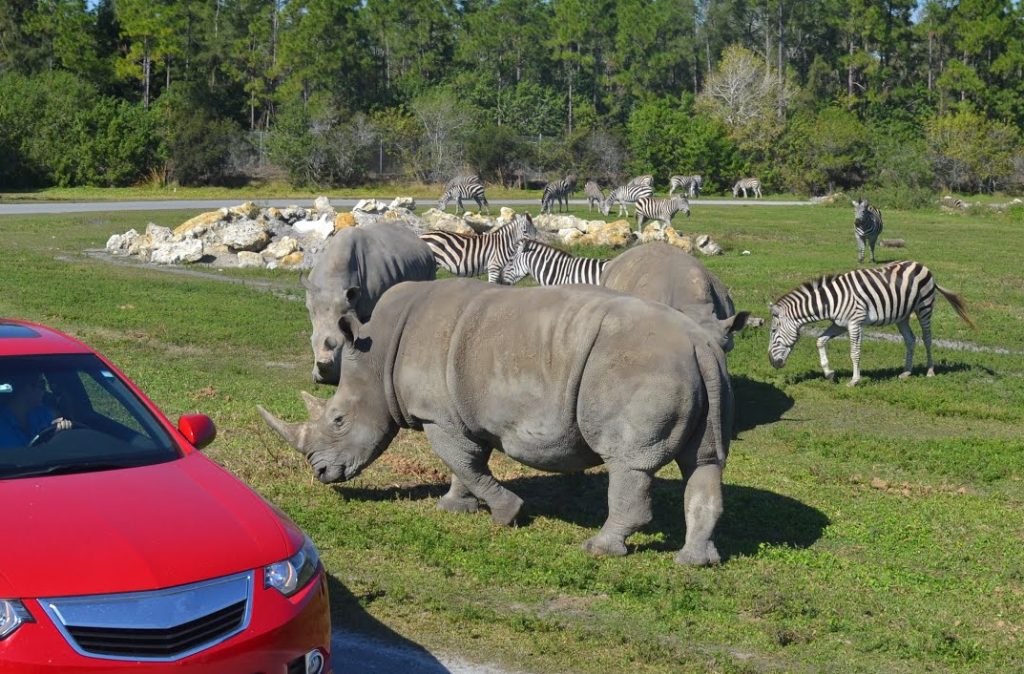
(825, 151)
(970, 152)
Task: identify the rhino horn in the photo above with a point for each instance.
(315, 406)
(294, 434)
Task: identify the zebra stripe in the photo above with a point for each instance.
(692, 185)
(625, 195)
(867, 225)
(460, 191)
(558, 190)
(871, 296)
(464, 179)
(641, 181)
(468, 255)
(654, 208)
(550, 266)
(745, 184)
(593, 193)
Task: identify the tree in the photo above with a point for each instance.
(970, 152)
(825, 151)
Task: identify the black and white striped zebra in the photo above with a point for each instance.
(641, 181)
(627, 194)
(593, 193)
(867, 225)
(468, 255)
(463, 179)
(868, 296)
(661, 209)
(744, 184)
(690, 184)
(550, 266)
(460, 191)
(558, 190)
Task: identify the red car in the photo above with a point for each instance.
(124, 548)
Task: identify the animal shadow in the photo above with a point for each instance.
(758, 403)
(889, 373)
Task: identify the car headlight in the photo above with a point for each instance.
(291, 575)
(13, 615)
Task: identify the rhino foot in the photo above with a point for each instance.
(601, 546)
(505, 514)
(705, 555)
(455, 504)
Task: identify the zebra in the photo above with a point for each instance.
(654, 208)
(867, 296)
(550, 266)
(867, 225)
(469, 255)
(745, 184)
(593, 193)
(692, 185)
(558, 190)
(641, 181)
(625, 195)
(460, 191)
(464, 179)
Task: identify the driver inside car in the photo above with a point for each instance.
(22, 412)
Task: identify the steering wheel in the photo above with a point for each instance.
(48, 431)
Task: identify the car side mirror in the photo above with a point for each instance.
(198, 429)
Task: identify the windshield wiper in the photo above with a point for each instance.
(68, 468)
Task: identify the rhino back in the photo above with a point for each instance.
(663, 273)
(373, 257)
(538, 372)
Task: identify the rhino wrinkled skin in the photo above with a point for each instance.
(353, 271)
(545, 375)
(663, 273)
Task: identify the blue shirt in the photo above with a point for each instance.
(13, 436)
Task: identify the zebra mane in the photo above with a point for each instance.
(528, 241)
(811, 285)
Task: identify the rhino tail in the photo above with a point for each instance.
(714, 447)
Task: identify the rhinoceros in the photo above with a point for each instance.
(542, 374)
(353, 271)
(663, 273)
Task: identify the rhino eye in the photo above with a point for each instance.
(338, 420)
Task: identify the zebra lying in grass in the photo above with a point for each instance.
(468, 255)
(867, 225)
(550, 266)
(654, 208)
(594, 194)
(625, 195)
(460, 191)
(690, 184)
(871, 296)
(558, 190)
(752, 184)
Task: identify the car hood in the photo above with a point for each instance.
(134, 529)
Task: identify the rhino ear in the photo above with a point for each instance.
(735, 323)
(304, 279)
(352, 294)
(349, 325)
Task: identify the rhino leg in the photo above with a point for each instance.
(629, 508)
(459, 499)
(702, 506)
(468, 463)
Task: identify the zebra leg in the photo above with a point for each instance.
(860, 249)
(639, 222)
(926, 337)
(629, 508)
(856, 330)
(908, 342)
(459, 499)
(832, 331)
(874, 239)
(458, 205)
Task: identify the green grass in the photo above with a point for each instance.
(875, 529)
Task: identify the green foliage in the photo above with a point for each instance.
(497, 152)
(970, 152)
(825, 151)
(198, 143)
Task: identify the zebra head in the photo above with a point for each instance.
(684, 205)
(516, 268)
(784, 333)
(736, 190)
(445, 199)
(860, 209)
(606, 205)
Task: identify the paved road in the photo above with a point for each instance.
(33, 208)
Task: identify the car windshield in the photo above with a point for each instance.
(64, 414)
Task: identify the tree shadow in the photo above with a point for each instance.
(887, 373)
(361, 643)
(758, 403)
(752, 517)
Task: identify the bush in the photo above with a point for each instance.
(498, 153)
(970, 152)
(825, 151)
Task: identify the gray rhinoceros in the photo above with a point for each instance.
(544, 375)
(353, 271)
(663, 273)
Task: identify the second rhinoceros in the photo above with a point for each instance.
(544, 375)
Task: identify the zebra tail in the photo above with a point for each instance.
(958, 304)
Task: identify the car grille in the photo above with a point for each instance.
(162, 625)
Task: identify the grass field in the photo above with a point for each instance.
(874, 529)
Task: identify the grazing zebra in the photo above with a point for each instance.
(867, 225)
(558, 190)
(654, 208)
(745, 184)
(626, 194)
(464, 179)
(460, 191)
(641, 181)
(593, 193)
(692, 185)
(550, 266)
(468, 255)
(869, 296)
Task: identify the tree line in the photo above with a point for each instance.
(809, 95)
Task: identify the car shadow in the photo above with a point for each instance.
(753, 517)
(362, 644)
(758, 403)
